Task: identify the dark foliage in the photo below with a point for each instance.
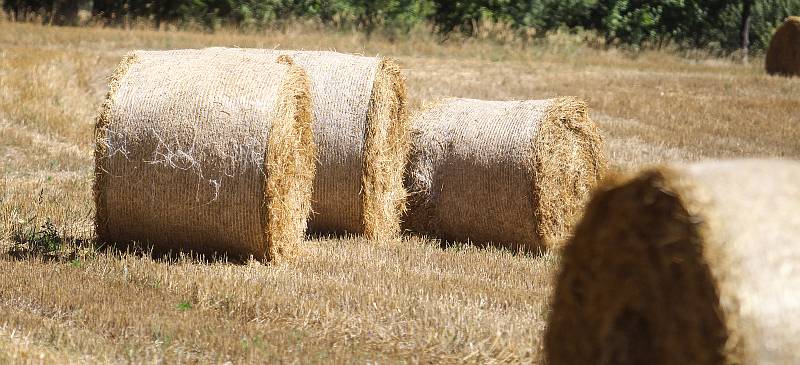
(716, 24)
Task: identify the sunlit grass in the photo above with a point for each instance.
(349, 300)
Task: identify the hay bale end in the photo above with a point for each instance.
(693, 264)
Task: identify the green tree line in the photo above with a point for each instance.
(726, 25)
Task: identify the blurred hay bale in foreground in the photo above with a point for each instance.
(205, 150)
(696, 264)
(515, 173)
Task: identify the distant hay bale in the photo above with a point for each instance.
(515, 173)
(205, 150)
(361, 132)
(696, 264)
(783, 55)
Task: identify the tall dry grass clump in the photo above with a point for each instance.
(205, 150)
(783, 55)
(692, 264)
(361, 133)
(515, 173)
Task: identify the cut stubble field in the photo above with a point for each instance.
(348, 300)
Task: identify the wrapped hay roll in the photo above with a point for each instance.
(783, 55)
(697, 264)
(361, 134)
(514, 173)
(205, 150)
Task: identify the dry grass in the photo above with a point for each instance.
(348, 301)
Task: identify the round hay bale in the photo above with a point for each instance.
(514, 173)
(361, 133)
(207, 151)
(696, 264)
(783, 55)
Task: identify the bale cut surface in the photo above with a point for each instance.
(361, 133)
(513, 173)
(205, 150)
(783, 55)
(696, 264)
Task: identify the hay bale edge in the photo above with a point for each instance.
(101, 148)
(386, 148)
(299, 164)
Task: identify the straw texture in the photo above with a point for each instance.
(696, 264)
(514, 173)
(361, 132)
(783, 55)
(205, 150)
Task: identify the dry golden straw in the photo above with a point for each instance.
(783, 55)
(513, 173)
(696, 264)
(361, 133)
(205, 150)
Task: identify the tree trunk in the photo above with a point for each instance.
(53, 11)
(125, 20)
(744, 29)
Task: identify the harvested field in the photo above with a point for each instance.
(347, 300)
(691, 264)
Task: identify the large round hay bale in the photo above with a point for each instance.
(361, 133)
(205, 150)
(696, 264)
(514, 173)
(783, 55)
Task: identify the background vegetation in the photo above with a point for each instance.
(719, 25)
